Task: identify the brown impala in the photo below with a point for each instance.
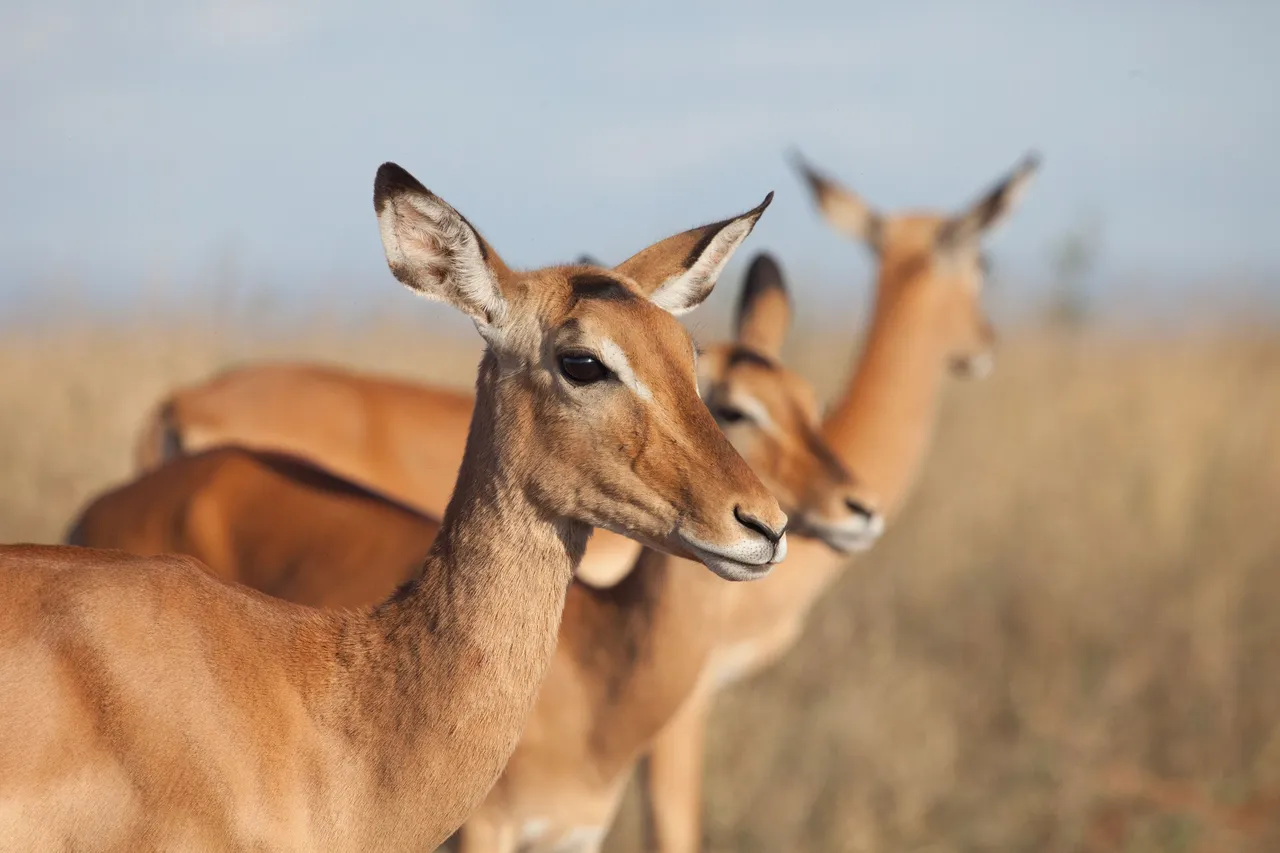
(928, 321)
(628, 656)
(149, 706)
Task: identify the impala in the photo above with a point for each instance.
(272, 522)
(395, 437)
(928, 320)
(627, 657)
(150, 706)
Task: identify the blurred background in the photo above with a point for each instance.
(1069, 640)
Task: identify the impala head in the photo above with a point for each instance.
(772, 417)
(592, 374)
(932, 258)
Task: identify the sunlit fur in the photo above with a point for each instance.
(399, 438)
(927, 322)
(163, 709)
(627, 656)
(630, 656)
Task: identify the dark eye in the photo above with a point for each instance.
(728, 414)
(582, 369)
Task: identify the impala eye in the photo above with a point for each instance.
(582, 368)
(728, 414)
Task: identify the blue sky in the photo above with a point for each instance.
(149, 139)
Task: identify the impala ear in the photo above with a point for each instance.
(678, 273)
(841, 207)
(434, 250)
(964, 229)
(764, 309)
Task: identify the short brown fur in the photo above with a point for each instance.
(927, 320)
(627, 656)
(166, 710)
(267, 521)
(400, 438)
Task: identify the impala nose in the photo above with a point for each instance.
(748, 555)
(860, 509)
(775, 535)
(863, 526)
(752, 523)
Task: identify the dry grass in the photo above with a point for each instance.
(1069, 642)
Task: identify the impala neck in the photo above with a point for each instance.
(883, 424)
(465, 644)
(644, 642)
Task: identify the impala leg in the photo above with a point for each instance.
(672, 781)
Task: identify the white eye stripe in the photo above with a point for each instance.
(754, 409)
(697, 373)
(616, 360)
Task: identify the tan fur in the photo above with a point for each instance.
(927, 319)
(399, 438)
(627, 657)
(268, 521)
(162, 709)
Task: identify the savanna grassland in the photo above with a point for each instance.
(1070, 641)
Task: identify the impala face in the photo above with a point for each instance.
(772, 418)
(931, 257)
(919, 262)
(617, 403)
(771, 415)
(599, 376)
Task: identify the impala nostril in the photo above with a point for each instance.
(859, 509)
(752, 523)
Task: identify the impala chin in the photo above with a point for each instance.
(747, 559)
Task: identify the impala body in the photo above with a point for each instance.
(271, 522)
(628, 656)
(928, 321)
(162, 709)
(398, 438)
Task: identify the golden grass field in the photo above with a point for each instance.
(1070, 641)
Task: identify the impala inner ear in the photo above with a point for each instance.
(678, 273)
(992, 207)
(433, 250)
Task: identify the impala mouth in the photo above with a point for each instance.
(851, 537)
(745, 560)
